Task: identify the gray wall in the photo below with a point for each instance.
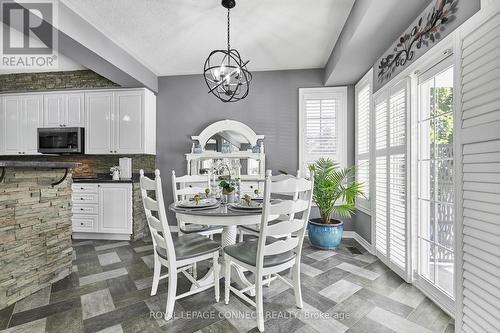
(184, 108)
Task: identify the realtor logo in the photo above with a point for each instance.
(28, 39)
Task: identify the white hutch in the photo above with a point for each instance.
(235, 144)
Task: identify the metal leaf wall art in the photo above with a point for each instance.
(427, 30)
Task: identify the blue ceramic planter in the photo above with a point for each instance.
(325, 236)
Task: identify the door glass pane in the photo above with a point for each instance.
(436, 195)
(445, 270)
(426, 260)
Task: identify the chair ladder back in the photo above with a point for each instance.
(187, 186)
(301, 202)
(158, 227)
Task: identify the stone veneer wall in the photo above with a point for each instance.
(92, 165)
(81, 79)
(35, 232)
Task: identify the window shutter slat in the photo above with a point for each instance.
(481, 185)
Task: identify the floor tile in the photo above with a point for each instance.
(340, 290)
(351, 310)
(43, 311)
(366, 325)
(321, 255)
(96, 303)
(238, 313)
(142, 323)
(149, 261)
(68, 294)
(144, 283)
(220, 326)
(430, 316)
(325, 279)
(108, 258)
(143, 248)
(407, 294)
(395, 322)
(102, 276)
(36, 326)
(115, 317)
(111, 246)
(112, 329)
(38, 299)
(69, 321)
(385, 302)
(359, 271)
(309, 270)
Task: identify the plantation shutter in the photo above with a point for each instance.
(391, 240)
(480, 145)
(322, 133)
(363, 140)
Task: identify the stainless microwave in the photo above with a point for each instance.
(61, 140)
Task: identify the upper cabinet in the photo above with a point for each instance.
(116, 121)
(20, 117)
(64, 110)
(121, 122)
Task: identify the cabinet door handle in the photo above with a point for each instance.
(81, 208)
(81, 223)
(81, 198)
(81, 188)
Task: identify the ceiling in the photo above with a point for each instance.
(174, 37)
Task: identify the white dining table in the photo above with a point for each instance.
(229, 220)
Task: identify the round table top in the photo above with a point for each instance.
(220, 211)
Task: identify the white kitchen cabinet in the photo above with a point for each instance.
(32, 107)
(102, 211)
(22, 116)
(116, 121)
(64, 110)
(129, 122)
(121, 122)
(98, 135)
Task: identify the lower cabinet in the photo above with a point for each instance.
(102, 211)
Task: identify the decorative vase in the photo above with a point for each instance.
(229, 197)
(325, 236)
(116, 175)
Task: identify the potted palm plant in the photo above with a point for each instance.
(335, 193)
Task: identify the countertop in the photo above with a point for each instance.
(105, 178)
(38, 164)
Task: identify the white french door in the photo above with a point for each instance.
(391, 212)
(435, 174)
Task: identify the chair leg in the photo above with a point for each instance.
(241, 236)
(216, 276)
(259, 302)
(194, 270)
(227, 279)
(156, 274)
(268, 284)
(171, 292)
(296, 285)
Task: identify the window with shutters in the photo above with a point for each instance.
(363, 149)
(322, 125)
(391, 241)
(436, 188)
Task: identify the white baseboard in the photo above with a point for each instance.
(93, 235)
(363, 242)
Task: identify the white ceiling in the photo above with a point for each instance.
(174, 37)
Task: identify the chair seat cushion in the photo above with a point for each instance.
(247, 252)
(194, 228)
(189, 246)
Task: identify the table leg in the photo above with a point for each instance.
(229, 234)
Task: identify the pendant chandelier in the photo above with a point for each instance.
(226, 74)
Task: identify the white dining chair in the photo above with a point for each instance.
(178, 254)
(184, 188)
(268, 255)
(254, 229)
